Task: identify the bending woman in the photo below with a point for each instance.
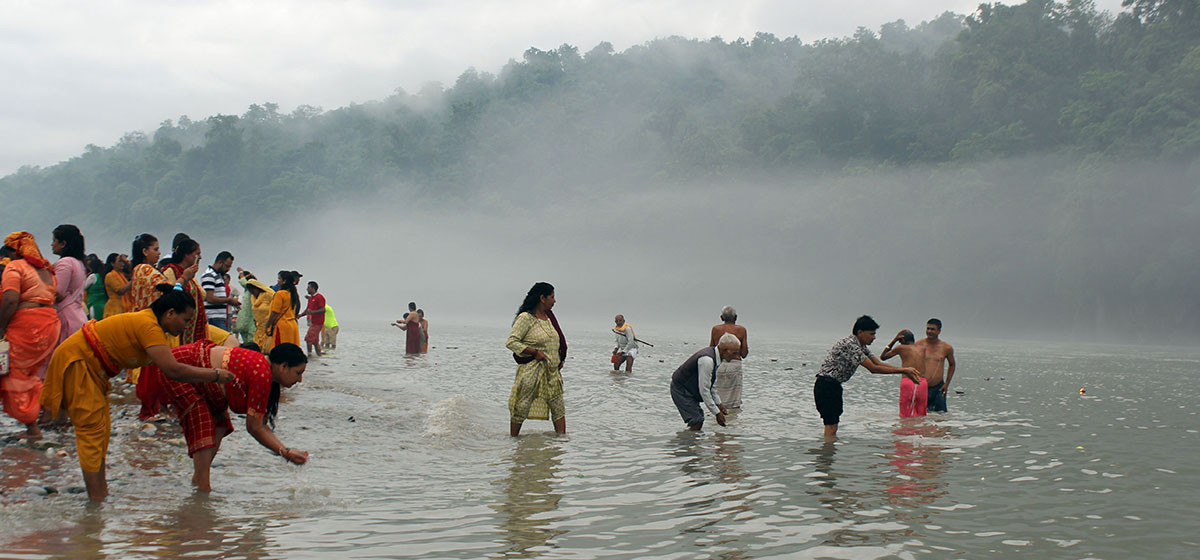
(539, 348)
(78, 378)
(203, 408)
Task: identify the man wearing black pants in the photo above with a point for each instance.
(843, 360)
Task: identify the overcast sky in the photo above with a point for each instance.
(79, 73)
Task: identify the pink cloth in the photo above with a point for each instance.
(914, 398)
(70, 275)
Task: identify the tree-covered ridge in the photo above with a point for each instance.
(1040, 77)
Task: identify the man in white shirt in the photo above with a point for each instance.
(693, 382)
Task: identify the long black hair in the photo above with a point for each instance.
(288, 279)
(287, 354)
(534, 297)
(141, 243)
(171, 300)
(72, 241)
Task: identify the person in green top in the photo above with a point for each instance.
(94, 292)
(245, 326)
(329, 334)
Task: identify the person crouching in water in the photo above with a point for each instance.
(78, 378)
(203, 408)
(694, 381)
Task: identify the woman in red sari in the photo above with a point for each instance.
(30, 324)
(203, 408)
(182, 270)
(411, 325)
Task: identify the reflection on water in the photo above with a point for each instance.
(195, 528)
(528, 495)
(919, 465)
(411, 459)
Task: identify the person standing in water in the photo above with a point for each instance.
(315, 311)
(411, 325)
(626, 348)
(914, 398)
(844, 358)
(937, 353)
(729, 375)
(539, 348)
(329, 335)
(424, 331)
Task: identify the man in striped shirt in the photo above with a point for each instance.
(216, 291)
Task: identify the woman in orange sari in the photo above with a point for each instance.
(203, 408)
(284, 306)
(185, 261)
(78, 378)
(30, 324)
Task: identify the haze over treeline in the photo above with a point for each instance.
(1032, 166)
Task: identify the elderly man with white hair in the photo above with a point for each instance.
(729, 376)
(693, 382)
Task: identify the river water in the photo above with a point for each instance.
(410, 458)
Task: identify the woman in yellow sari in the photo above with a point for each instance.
(116, 285)
(285, 304)
(30, 324)
(78, 378)
(261, 297)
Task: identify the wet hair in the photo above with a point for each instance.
(222, 256)
(421, 312)
(171, 300)
(288, 280)
(287, 354)
(412, 306)
(864, 323)
(251, 345)
(935, 321)
(141, 243)
(534, 297)
(907, 337)
(72, 241)
(183, 249)
(728, 313)
(314, 285)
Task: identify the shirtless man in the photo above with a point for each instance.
(914, 398)
(729, 376)
(937, 353)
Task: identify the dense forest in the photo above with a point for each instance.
(1106, 107)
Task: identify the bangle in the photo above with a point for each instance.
(216, 375)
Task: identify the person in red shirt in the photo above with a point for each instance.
(203, 408)
(316, 319)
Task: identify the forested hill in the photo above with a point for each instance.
(1036, 78)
